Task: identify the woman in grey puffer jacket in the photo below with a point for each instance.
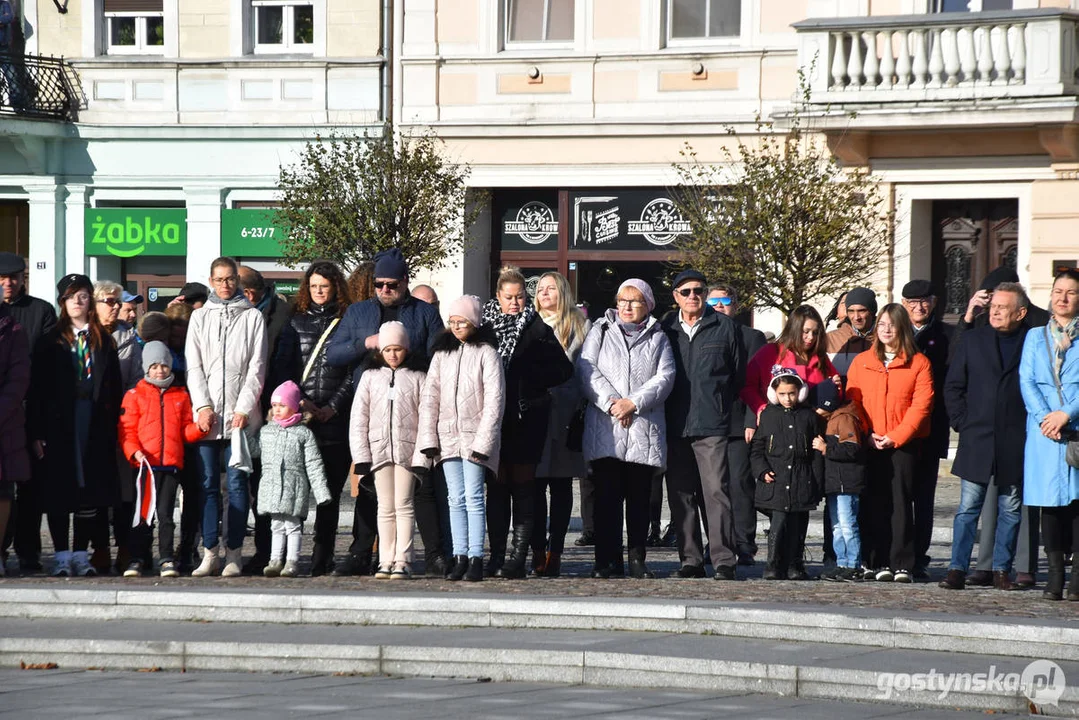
(627, 371)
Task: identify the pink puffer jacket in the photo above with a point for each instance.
(386, 418)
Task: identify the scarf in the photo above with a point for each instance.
(82, 354)
(1062, 339)
(290, 420)
(631, 330)
(234, 300)
(161, 384)
(507, 327)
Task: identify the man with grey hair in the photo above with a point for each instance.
(986, 407)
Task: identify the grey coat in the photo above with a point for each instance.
(291, 470)
(129, 351)
(559, 461)
(641, 370)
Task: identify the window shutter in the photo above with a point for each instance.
(149, 6)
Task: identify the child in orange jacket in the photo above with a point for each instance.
(155, 422)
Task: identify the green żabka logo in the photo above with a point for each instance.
(128, 232)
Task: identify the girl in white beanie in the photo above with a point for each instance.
(382, 436)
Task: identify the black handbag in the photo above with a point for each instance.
(575, 429)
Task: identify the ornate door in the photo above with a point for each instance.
(971, 237)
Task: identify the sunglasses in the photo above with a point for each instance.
(110, 301)
(389, 285)
(686, 292)
(724, 301)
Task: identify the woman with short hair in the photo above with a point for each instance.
(108, 299)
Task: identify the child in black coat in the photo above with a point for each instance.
(788, 470)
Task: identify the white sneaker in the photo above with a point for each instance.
(209, 564)
(80, 564)
(233, 563)
(63, 564)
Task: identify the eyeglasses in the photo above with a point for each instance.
(629, 303)
(387, 284)
(110, 301)
(918, 301)
(686, 292)
(459, 324)
(724, 301)
(230, 280)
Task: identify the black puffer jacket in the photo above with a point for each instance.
(325, 385)
(783, 445)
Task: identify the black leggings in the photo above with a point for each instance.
(1060, 528)
(561, 508)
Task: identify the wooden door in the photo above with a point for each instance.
(971, 238)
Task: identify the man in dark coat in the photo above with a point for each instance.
(14, 383)
(986, 407)
(931, 337)
(723, 299)
(974, 317)
(351, 346)
(37, 317)
(709, 371)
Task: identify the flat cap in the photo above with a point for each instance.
(917, 289)
(10, 263)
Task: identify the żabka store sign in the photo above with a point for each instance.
(129, 232)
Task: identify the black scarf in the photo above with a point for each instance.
(507, 327)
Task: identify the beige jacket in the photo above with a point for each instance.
(386, 418)
(461, 409)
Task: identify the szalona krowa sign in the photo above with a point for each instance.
(129, 232)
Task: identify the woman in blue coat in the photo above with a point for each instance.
(1049, 380)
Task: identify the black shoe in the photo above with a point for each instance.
(980, 578)
(797, 572)
(437, 567)
(921, 572)
(585, 540)
(460, 568)
(725, 572)
(351, 565)
(494, 565)
(690, 571)
(30, 565)
(746, 560)
(601, 572)
(832, 575)
(475, 570)
(637, 569)
(255, 565)
(653, 536)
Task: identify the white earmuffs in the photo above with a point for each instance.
(803, 390)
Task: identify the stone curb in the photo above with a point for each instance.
(574, 667)
(1002, 638)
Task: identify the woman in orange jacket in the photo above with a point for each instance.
(894, 383)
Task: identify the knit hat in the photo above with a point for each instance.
(643, 288)
(687, 275)
(827, 396)
(73, 282)
(917, 289)
(155, 353)
(392, 333)
(287, 394)
(155, 326)
(1000, 275)
(864, 297)
(786, 374)
(391, 264)
(467, 307)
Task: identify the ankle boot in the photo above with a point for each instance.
(554, 565)
(475, 570)
(1073, 586)
(209, 564)
(514, 569)
(770, 570)
(233, 562)
(460, 567)
(539, 563)
(1054, 583)
(637, 568)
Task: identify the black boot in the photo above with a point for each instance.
(770, 570)
(498, 523)
(460, 568)
(514, 569)
(437, 567)
(353, 565)
(1073, 586)
(1054, 583)
(618, 567)
(321, 560)
(523, 523)
(653, 539)
(637, 568)
(475, 570)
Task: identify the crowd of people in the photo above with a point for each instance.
(464, 429)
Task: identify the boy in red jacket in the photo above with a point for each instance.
(155, 422)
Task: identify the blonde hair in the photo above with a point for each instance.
(511, 275)
(569, 322)
(107, 288)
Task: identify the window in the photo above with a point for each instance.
(539, 21)
(943, 6)
(134, 27)
(692, 19)
(283, 26)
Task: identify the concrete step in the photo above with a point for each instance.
(703, 662)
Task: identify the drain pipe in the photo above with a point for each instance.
(387, 61)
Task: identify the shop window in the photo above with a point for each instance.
(134, 27)
(539, 21)
(703, 19)
(283, 26)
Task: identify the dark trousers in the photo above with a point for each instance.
(190, 514)
(655, 499)
(742, 488)
(887, 516)
(513, 488)
(1060, 528)
(24, 523)
(88, 525)
(142, 536)
(364, 522)
(588, 504)
(619, 483)
(262, 521)
(337, 460)
(925, 494)
(561, 507)
(430, 517)
(698, 483)
(786, 540)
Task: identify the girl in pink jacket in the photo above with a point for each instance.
(382, 435)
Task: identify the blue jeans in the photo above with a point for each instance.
(464, 485)
(210, 457)
(846, 539)
(971, 499)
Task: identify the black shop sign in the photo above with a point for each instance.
(527, 220)
(624, 220)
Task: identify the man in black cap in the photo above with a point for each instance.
(194, 294)
(931, 337)
(850, 339)
(352, 346)
(709, 359)
(37, 317)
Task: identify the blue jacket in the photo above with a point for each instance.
(1048, 481)
(363, 319)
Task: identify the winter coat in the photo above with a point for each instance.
(1036, 317)
(14, 385)
(291, 471)
(844, 344)
(1048, 481)
(741, 416)
(36, 316)
(932, 341)
(157, 423)
(538, 364)
(783, 444)
(386, 418)
(898, 400)
(559, 461)
(709, 372)
(642, 369)
(985, 406)
(348, 347)
(276, 313)
(226, 363)
(129, 350)
(51, 408)
(759, 374)
(326, 385)
(463, 395)
(845, 461)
